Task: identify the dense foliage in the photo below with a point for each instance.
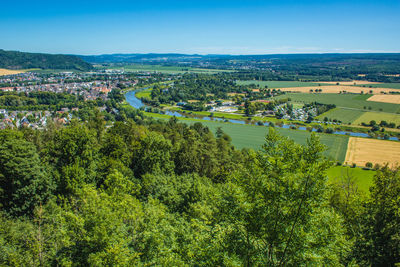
(144, 192)
(22, 60)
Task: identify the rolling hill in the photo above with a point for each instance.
(21, 60)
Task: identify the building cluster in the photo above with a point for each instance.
(33, 119)
(89, 90)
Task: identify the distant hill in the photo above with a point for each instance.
(21, 60)
(138, 58)
(327, 58)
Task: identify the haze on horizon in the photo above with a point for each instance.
(201, 27)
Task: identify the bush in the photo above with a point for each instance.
(329, 130)
(368, 165)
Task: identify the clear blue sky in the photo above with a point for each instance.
(216, 27)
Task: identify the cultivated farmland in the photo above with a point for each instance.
(342, 114)
(10, 72)
(334, 89)
(378, 117)
(355, 82)
(277, 84)
(383, 85)
(363, 150)
(351, 101)
(251, 136)
(394, 99)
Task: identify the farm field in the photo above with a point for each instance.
(335, 89)
(342, 114)
(277, 84)
(394, 99)
(378, 117)
(352, 101)
(383, 85)
(165, 69)
(362, 178)
(355, 82)
(4, 72)
(252, 136)
(363, 150)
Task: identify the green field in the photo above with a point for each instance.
(382, 85)
(277, 84)
(164, 69)
(363, 178)
(252, 136)
(378, 117)
(350, 101)
(144, 94)
(342, 114)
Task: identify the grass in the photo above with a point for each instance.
(252, 136)
(363, 178)
(382, 85)
(165, 69)
(143, 94)
(277, 84)
(248, 136)
(342, 114)
(349, 101)
(378, 117)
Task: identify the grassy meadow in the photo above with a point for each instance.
(362, 178)
(342, 114)
(277, 84)
(378, 117)
(252, 136)
(350, 101)
(382, 85)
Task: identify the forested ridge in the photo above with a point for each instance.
(22, 60)
(146, 192)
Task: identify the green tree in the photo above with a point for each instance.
(153, 156)
(277, 208)
(23, 181)
(379, 242)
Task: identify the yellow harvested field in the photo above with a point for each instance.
(234, 94)
(337, 89)
(394, 99)
(355, 82)
(363, 150)
(10, 72)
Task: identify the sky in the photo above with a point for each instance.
(202, 27)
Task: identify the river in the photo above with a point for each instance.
(137, 103)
